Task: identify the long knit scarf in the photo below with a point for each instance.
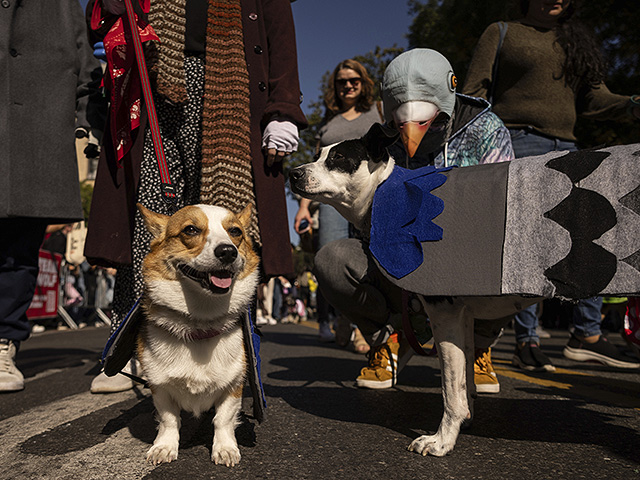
(226, 177)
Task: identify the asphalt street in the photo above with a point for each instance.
(583, 421)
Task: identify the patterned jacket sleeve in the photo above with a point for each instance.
(486, 140)
(496, 146)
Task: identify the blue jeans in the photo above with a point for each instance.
(333, 226)
(20, 240)
(276, 306)
(586, 314)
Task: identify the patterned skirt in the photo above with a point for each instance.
(181, 132)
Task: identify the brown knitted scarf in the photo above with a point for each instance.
(226, 178)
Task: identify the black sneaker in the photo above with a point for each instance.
(602, 352)
(529, 357)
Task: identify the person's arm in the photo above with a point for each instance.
(303, 214)
(283, 117)
(89, 71)
(479, 75)
(599, 103)
(284, 85)
(496, 144)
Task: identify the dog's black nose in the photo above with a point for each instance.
(296, 174)
(226, 253)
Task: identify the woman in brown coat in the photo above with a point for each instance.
(225, 94)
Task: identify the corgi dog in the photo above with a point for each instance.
(200, 277)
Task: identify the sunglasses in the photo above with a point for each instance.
(342, 82)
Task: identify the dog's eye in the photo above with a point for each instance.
(235, 232)
(191, 230)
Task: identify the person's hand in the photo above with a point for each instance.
(280, 138)
(303, 214)
(116, 7)
(99, 52)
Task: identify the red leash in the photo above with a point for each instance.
(168, 191)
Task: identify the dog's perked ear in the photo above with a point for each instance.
(245, 216)
(377, 139)
(156, 223)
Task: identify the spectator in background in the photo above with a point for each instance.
(550, 70)
(224, 140)
(350, 110)
(39, 42)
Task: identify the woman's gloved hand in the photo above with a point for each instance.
(280, 138)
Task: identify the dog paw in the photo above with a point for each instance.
(162, 454)
(228, 455)
(430, 445)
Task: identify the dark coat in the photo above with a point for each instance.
(270, 50)
(45, 65)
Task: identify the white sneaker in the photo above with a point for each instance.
(11, 379)
(117, 383)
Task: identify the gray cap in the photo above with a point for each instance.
(420, 74)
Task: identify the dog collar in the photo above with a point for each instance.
(205, 334)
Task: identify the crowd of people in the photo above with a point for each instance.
(500, 113)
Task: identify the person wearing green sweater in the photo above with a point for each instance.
(549, 71)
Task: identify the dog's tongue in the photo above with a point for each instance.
(221, 282)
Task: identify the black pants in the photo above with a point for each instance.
(20, 240)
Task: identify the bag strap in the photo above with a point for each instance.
(167, 189)
(494, 72)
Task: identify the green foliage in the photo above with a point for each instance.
(86, 193)
(453, 27)
(376, 62)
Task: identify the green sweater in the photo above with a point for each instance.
(529, 89)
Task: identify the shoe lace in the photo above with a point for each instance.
(380, 356)
(377, 356)
(6, 362)
(482, 360)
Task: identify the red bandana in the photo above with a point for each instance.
(123, 80)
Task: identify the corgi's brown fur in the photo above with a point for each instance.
(200, 277)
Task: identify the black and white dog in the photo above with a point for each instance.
(346, 176)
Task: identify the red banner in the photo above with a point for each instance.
(45, 300)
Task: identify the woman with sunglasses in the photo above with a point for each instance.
(350, 111)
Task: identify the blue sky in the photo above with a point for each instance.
(329, 31)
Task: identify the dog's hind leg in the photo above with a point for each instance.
(448, 321)
(165, 446)
(225, 447)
